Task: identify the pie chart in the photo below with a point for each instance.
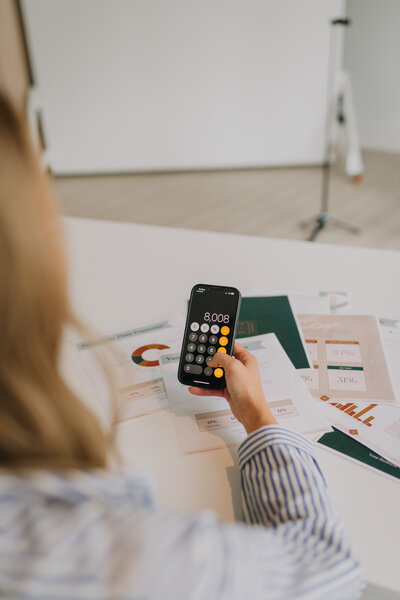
(137, 355)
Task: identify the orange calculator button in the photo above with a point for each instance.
(221, 349)
(218, 373)
(223, 341)
(225, 330)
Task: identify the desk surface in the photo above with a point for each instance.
(124, 274)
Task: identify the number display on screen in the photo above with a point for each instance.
(216, 318)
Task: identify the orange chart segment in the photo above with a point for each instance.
(137, 355)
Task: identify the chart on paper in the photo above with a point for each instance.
(130, 358)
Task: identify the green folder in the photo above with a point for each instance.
(339, 441)
(273, 314)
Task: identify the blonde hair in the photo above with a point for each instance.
(43, 424)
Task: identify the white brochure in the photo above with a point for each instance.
(348, 357)
(129, 357)
(207, 423)
(374, 425)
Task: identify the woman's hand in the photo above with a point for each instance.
(243, 388)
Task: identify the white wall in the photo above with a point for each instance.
(372, 55)
(134, 85)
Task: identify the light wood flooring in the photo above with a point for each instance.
(266, 202)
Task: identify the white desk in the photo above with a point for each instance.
(123, 274)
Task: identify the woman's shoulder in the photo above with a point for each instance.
(76, 488)
(62, 530)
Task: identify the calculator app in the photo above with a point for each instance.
(210, 328)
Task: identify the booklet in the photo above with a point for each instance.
(339, 442)
(273, 314)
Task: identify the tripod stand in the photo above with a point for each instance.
(340, 111)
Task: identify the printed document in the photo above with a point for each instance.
(348, 359)
(207, 423)
(374, 425)
(273, 314)
(349, 447)
(130, 359)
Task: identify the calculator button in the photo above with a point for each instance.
(199, 359)
(201, 348)
(213, 339)
(211, 350)
(192, 337)
(225, 330)
(214, 329)
(189, 357)
(202, 338)
(191, 347)
(195, 369)
(205, 327)
(208, 359)
(218, 373)
(208, 371)
(221, 349)
(194, 326)
(223, 341)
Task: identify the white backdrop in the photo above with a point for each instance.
(136, 85)
(372, 53)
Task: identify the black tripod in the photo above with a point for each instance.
(334, 111)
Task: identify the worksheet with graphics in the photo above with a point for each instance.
(390, 328)
(374, 425)
(129, 358)
(207, 423)
(348, 358)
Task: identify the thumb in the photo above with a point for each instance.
(220, 359)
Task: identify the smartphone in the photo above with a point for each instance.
(210, 328)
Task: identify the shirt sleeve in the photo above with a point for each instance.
(283, 488)
(294, 544)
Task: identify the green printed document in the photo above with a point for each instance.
(340, 442)
(273, 314)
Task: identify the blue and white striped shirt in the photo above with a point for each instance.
(98, 535)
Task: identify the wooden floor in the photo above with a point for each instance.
(266, 202)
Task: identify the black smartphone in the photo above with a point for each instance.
(210, 327)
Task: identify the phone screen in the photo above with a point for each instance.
(210, 328)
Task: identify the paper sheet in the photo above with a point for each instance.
(206, 423)
(375, 426)
(130, 358)
(349, 361)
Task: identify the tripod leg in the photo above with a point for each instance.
(343, 225)
(318, 227)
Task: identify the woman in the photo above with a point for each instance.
(70, 528)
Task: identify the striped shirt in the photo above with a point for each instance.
(98, 535)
